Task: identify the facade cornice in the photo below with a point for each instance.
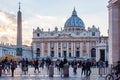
(69, 40)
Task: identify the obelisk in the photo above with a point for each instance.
(19, 33)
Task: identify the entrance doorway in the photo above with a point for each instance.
(38, 53)
(102, 54)
(77, 54)
(52, 54)
(93, 53)
(64, 53)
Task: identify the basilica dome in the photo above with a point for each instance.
(74, 21)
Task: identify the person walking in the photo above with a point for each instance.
(83, 68)
(48, 63)
(5, 63)
(22, 64)
(117, 70)
(75, 65)
(12, 67)
(88, 68)
(36, 65)
(61, 65)
(26, 65)
(101, 67)
(58, 64)
(42, 63)
(65, 61)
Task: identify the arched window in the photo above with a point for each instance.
(38, 34)
(93, 53)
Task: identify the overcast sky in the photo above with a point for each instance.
(48, 14)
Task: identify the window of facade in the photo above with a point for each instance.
(93, 43)
(52, 34)
(38, 51)
(59, 54)
(69, 48)
(77, 44)
(64, 44)
(93, 33)
(45, 34)
(69, 29)
(59, 44)
(38, 44)
(38, 34)
(64, 54)
(69, 54)
(77, 54)
(52, 44)
(77, 33)
(52, 54)
(93, 52)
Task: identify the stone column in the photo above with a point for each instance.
(97, 54)
(48, 48)
(61, 50)
(106, 54)
(81, 52)
(42, 50)
(79, 49)
(88, 49)
(72, 49)
(56, 49)
(67, 49)
(119, 27)
(114, 31)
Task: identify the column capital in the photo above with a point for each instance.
(114, 3)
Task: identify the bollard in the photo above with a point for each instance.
(51, 71)
(66, 70)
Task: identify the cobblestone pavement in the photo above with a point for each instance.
(43, 75)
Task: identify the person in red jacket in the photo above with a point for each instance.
(36, 65)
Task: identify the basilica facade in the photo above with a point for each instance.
(73, 41)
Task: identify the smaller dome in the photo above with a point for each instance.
(74, 21)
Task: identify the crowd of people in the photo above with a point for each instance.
(7, 65)
(85, 65)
